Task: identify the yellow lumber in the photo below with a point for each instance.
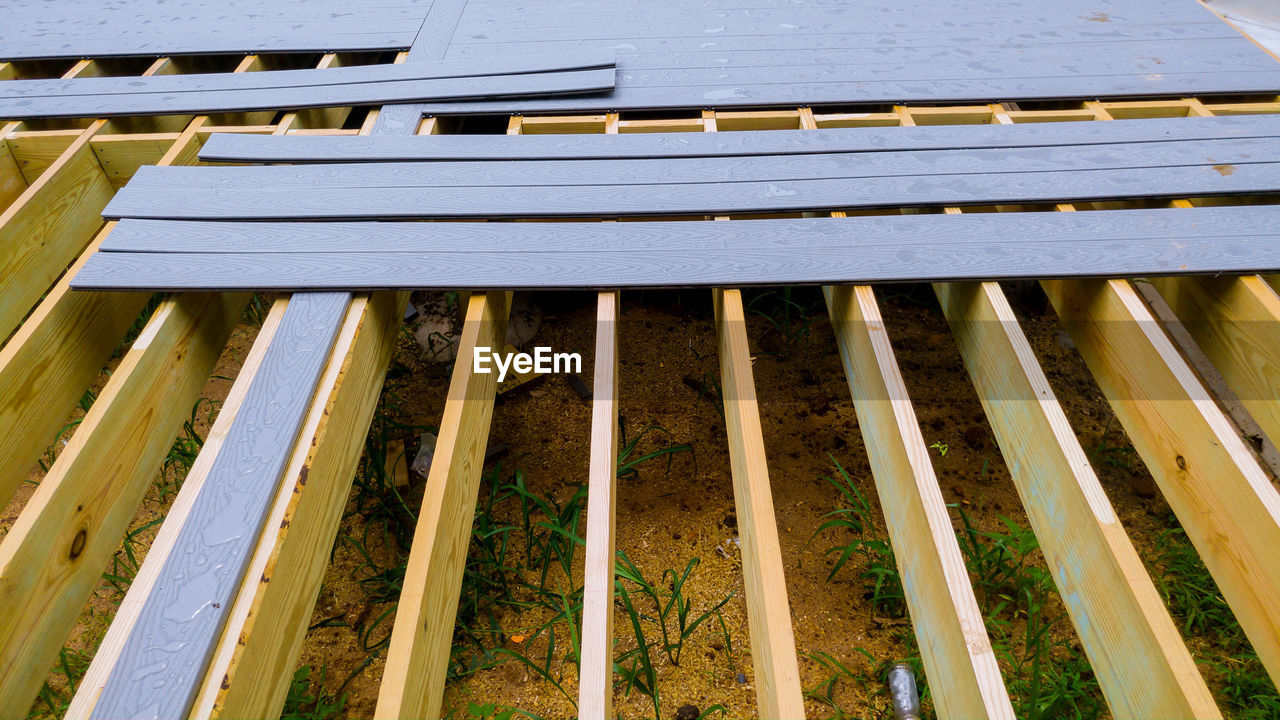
(595, 678)
(1138, 656)
(418, 657)
(52, 558)
(1226, 504)
(773, 650)
(963, 676)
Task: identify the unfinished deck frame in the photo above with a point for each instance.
(61, 343)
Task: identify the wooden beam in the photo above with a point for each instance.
(52, 558)
(595, 678)
(1226, 504)
(255, 658)
(1116, 610)
(418, 657)
(964, 679)
(104, 660)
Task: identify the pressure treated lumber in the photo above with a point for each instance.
(959, 663)
(1113, 604)
(595, 677)
(735, 170)
(253, 664)
(1225, 502)
(182, 616)
(417, 658)
(240, 147)
(290, 98)
(773, 651)
(1236, 323)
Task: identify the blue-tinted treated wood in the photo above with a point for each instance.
(352, 75)
(232, 147)
(560, 173)
(35, 29)
(265, 203)
(163, 659)
(398, 91)
(180, 236)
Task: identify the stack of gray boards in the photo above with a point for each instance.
(1129, 159)
(176, 255)
(42, 29)
(542, 75)
(724, 53)
(202, 227)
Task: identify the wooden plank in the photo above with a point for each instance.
(126, 618)
(595, 679)
(963, 677)
(773, 651)
(161, 664)
(1132, 644)
(287, 98)
(269, 203)
(232, 147)
(997, 259)
(417, 659)
(1236, 323)
(121, 155)
(52, 558)
(1226, 504)
(48, 225)
(743, 169)
(254, 661)
(326, 76)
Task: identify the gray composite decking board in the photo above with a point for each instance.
(211, 237)
(71, 29)
(357, 75)
(925, 91)
(262, 203)
(431, 45)
(291, 98)
(241, 147)
(665, 171)
(737, 267)
(173, 636)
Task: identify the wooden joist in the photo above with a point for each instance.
(1226, 504)
(417, 659)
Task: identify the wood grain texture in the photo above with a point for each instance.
(1135, 650)
(960, 666)
(1236, 322)
(1225, 502)
(417, 658)
(254, 662)
(269, 203)
(595, 679)
(162, 662)
(666, 171)
(291, 98)
(773, 651)
(240, 147)
(52, 558)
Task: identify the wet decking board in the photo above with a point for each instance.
(71, 29)
(235, 147)
(205, 181)
(915, 248)
(271, 203)
(306, 96)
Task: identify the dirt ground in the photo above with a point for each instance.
(666, 517)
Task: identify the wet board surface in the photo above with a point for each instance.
(915, 248)
(235, 147)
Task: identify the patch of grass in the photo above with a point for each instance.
(870, 678)
(309, 701)
(55, 698)
(789, 312)
(628, 466)
(1241, 685)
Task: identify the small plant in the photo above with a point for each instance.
(53, 700)
(125, 563)
(879, 575)
(628, 466)
(941, 447)
(681, 629)
(788, 318)
(302, 703)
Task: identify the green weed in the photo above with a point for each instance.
(53, 700)
(302, 703)
(628, 467)
(882, 585)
